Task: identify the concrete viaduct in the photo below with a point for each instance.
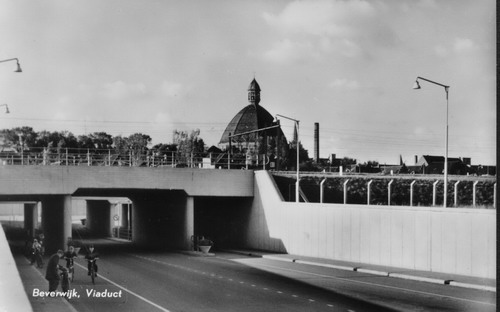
(244, 209)
(163, 199)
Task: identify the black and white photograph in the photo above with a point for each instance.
(248, 155)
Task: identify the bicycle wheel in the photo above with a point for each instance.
(92, 275)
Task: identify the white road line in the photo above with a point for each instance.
(379, 285)
(129, 291)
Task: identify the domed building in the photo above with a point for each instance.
(249, 131)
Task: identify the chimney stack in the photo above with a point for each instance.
(316, 142)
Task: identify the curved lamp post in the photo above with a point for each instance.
(6, 108)
(446, 89)
(18, 70)
(297, 128)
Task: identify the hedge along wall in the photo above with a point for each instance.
(357, 190)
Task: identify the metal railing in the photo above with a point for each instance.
(130, 158)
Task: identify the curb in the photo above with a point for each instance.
(369, 271)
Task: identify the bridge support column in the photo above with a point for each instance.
(56, 222)
(99, 217)
(188, 230)
(30, 218)
(125, 216)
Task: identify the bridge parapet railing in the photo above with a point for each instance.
(115, 157)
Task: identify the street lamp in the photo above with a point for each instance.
(446, 89)
(18, 70)
(6, 108)
(297, 128)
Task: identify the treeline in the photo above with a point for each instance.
(26, 138)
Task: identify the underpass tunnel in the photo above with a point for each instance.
(162, 219)
(108, 217)
(155, 218)
(99, 217)
(222, 219)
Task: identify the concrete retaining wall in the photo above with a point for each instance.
(457, 241)
(12, 294)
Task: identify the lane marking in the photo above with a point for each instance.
(379, 285)
(129, 291)
(204, 273)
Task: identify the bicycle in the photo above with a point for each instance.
(65, 280)
(70, 266)
(71, 272)
(93, 273)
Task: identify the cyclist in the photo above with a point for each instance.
(91, 255)
(36, 254)
(41, 239)
(70, 256)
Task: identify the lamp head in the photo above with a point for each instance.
(416, 85)
(18, 70)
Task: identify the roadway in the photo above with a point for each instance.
(170, 281)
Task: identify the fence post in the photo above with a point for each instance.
(109, 157)
(345, 191)
(411, 192)
(368, 200)
(173, 165)
(67, 158)
(456, 193)
(389, 192)
(321, 190)
(474, 186)
(434, 192)
(88, 157)
(495, 196)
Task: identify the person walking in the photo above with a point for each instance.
(52, 273)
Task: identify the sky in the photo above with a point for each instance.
(124, 67)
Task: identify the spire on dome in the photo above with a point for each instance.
(254, 92)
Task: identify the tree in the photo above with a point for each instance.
(102, 140)
(61, 139)
(188, 143)
(139, 142)
(24, 137)
(96, 141)
(85, 141)
(165, 148)
(120, 144)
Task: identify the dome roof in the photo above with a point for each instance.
(251, 117)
